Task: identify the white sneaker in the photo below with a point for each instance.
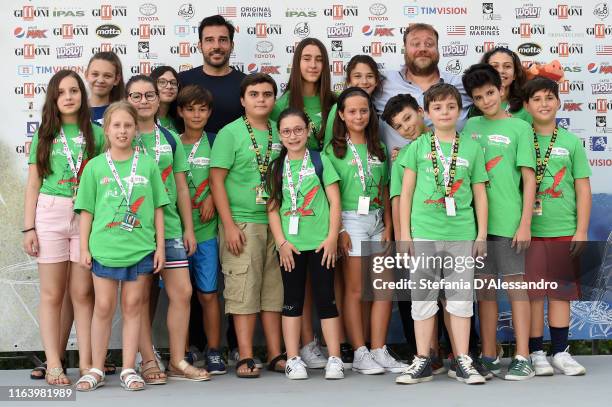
(388, 362)
(312, 355)
(364, 362)
(566, 364)
(540, 363)
(295, 369)
(334, 368)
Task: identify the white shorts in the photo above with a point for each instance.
(363, 228)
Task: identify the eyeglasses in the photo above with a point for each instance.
(298, 131)
(137, 96)
(163, 83)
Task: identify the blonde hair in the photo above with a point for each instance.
(108, 113)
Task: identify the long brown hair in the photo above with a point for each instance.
(515, 91)
(294, 87)
(117, 92)
(369, 61)
(52, 122)
(340, 130)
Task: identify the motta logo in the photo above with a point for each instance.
(28, 13)
(262, 30)
(599, 30)
(563, 11)
(108, 31)
(565, 49)
(69, 31)
(526, 30)
(31, 51)
(107, 12)
(529, 49)
(339, 11)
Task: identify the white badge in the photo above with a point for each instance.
(364, 205)
(293, 224)
(449, 202)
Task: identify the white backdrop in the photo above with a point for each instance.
(41, 37)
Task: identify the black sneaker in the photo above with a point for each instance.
(482, 369)
(346, 354)
(419, 371)
(466, 372)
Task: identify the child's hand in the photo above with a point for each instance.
(85, 259)
(30, 243)
(286, 256)
(479, 249)
(159, 259)
(405, 246)
(344, 243)
(394, 153)
(330, 249)
(207, 209)
(235, 239)
(522, 239)
(190, 243)
(578, 243)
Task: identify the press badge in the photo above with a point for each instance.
(449, 202)
(293, 224)
(129, 221)
(364, 205)
(537, 207)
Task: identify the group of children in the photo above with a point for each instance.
(283, 198)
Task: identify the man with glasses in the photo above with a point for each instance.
(215, 74)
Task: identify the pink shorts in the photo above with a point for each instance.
(57, 229)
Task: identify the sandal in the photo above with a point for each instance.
(252, 373)
(129, 377)
(92, 380)
(55, 374)
(185, 371)
(109, 368)
(149, 370)
(273, 364)
(42, 369)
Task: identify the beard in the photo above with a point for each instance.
(219, 64)
(419, 70)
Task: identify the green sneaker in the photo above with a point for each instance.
(492, 366)
(520, 369)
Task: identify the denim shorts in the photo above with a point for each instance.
(176, 256)
(204, 266)
(363, 228)
(144, 266)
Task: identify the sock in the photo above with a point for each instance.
(558, 338)
(536, 344)
(488, 359)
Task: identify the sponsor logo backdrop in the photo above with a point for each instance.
(41, 37)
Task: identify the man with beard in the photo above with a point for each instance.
(419, 73)
(215, 74)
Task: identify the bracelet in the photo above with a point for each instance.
(342, 230)
(281, 245)
(28, 230)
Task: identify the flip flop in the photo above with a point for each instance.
(272, 365)
(252, 373)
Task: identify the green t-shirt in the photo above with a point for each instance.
(234, 151)
(168, 166)
(312, 204)
(521, 114)
(397, 173)
(329, 127)
(168, 123)
(61, 179)
(428, 219)
(568, 162)
(100, 195)
(199, 189)
(312, 107)
(350, 185)
(508, 146)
